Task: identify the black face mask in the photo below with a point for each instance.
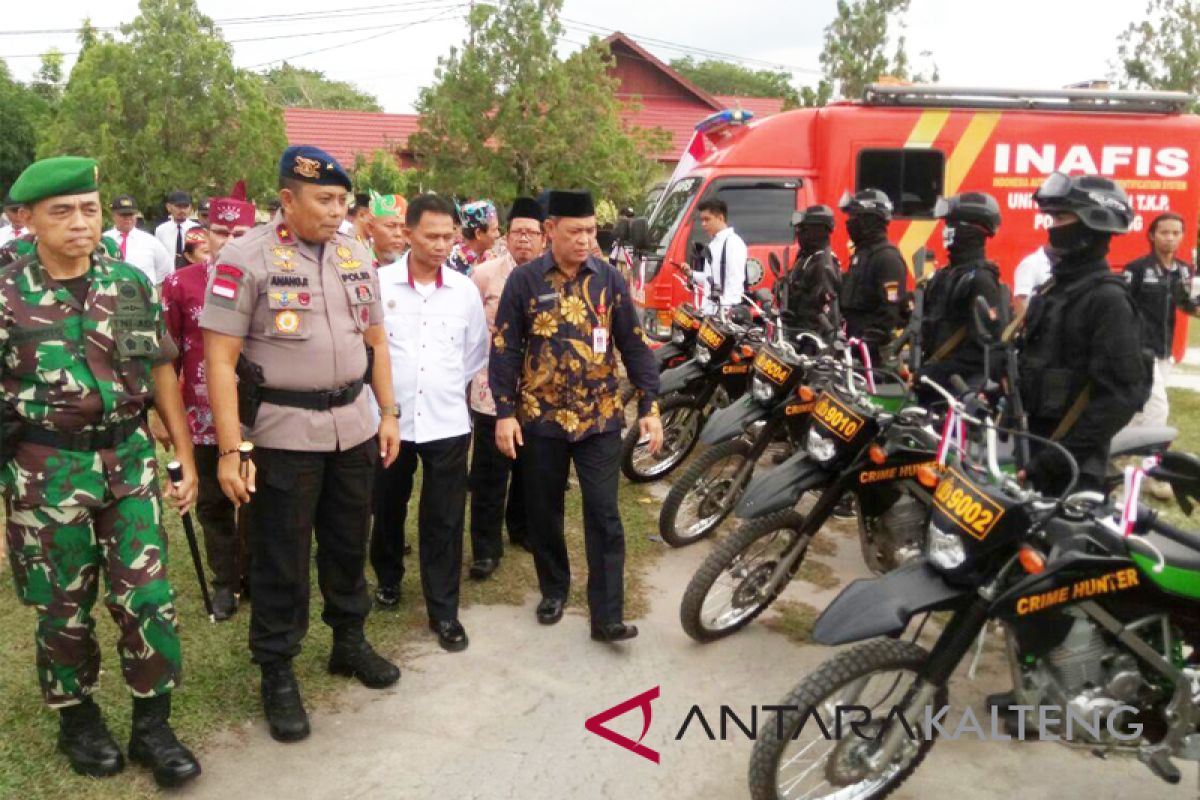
(1075, 243)
(962, 239)
(812, 238)
(865, 229)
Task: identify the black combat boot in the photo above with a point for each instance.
(152, 743)
(354, 657)
(84, 739)
(282, 703)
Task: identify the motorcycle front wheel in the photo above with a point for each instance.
(704, 494)
(804, 751)
(681, 422)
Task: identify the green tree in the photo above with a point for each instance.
(1163, 50)
(47, 83)
(24, 114)
(855, 50)
(166, 109)
(309, 88)
(506, 116)
(379, 172)
(723, 77)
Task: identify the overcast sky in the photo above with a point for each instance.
(1019, 43)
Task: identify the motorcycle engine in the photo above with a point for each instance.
(1087, 678)
(896, 535)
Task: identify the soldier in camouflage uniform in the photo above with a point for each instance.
(82, 354)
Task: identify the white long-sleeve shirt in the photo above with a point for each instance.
(729, 292)
(168, 232)
(437, 340)
(144, 252)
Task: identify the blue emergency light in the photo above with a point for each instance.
(724, 119)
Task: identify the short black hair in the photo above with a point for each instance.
(1166, 216)
(428, 204)
(714, 205)
(286, 182)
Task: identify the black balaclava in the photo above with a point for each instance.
(812, 238)
(866, 229)
(964, 242)
(1076, 245)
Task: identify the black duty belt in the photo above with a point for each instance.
(100, 438)
(314, 401)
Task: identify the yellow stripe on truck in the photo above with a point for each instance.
(962, 158)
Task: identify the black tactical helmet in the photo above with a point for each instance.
(814, 215)
(1101, 204)
(979, 208)
(868, 201)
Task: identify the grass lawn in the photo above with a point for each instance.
(220, 687)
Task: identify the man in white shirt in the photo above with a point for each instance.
(437, 339)
(138, 247)
(1032, 272)
(724, 273)
(171, 232)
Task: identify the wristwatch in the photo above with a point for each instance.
(390, 411)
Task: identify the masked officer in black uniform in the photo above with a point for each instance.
(874, 289)
(811, 287)
(1082, 370)
(950, 343)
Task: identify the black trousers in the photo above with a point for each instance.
(224, 546)
(545, 463)
(297, 492)
(440, 520)
(490, 486)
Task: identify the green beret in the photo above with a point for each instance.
(52, 177)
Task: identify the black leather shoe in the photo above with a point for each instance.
(614, 632)
(387, 596)
(153, 744)
(550, 610)
(845, 507)
(451, 635)
(354, 657)
(84, 739)
(224, 602)
(483, 567)
(282, 703)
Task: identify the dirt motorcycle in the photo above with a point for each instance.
(1098, 607)
(775, 410)
(716, 375)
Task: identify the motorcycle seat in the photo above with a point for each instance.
(1142, 440)
(1176, 554)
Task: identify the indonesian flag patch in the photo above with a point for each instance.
(223, 287)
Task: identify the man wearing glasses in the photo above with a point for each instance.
(491, 469)
(182, 300)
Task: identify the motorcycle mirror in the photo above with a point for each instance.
(773, 263)
(639, 233)
(919, 258)
(985, 320)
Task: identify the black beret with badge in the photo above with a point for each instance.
(308, 164)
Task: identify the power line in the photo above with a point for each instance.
(445, 8)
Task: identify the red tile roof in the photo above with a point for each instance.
(677, 117)
(760, 106)
(344, 133)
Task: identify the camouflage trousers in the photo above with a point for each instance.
(57, 555)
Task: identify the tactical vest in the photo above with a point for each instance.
(1151, 292)
(1051, 382)
(948, 314)
(860, 289)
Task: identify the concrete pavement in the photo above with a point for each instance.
(505, 719)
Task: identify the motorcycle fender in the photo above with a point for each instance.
(677, 379)
(666, 353)
(883, 606)
(730, 421)
(782, 487)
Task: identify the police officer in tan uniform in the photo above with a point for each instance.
(291, 320)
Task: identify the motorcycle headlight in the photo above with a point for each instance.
(821, 448)
(703, 355)
(762, 391)
(945, 548)
(677, 334)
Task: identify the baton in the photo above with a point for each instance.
(175, 473)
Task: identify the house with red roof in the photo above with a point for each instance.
(667, 100)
